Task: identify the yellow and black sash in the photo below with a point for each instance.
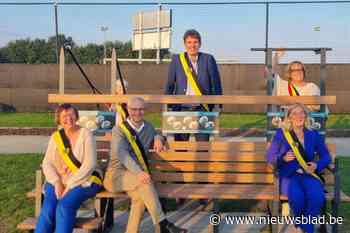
(298, 151)
(292, 90)
(136, 144)
(121, 110)
(68, 157)
(192, 77)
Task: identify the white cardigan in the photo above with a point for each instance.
(84, 150)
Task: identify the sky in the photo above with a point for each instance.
(228, 31)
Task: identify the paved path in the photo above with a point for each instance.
(198, 222)
(37, 144)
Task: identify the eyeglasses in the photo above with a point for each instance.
(136, 109)
(296, 70)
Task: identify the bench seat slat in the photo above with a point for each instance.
(82, 223)
(218, 191)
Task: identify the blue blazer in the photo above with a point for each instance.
(313, 144)
(208, 76)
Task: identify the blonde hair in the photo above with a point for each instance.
(287, 124)
(288, 70)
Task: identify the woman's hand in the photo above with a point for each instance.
(59, 189)
(279, 53)
(289, 156)
(144, 177)
(311, 167)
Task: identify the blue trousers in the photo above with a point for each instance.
(58, 215)
(306, 197)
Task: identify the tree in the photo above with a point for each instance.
(41, 51)
(3, 56)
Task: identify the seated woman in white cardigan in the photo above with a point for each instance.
(69, 167)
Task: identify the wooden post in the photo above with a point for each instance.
(323, 76)
(113, 71)
(38, 192)
(159, 31)
(275, 201)
(336, 198)
(61, 72)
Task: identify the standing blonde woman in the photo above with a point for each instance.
(69, 168)
(293, 151)
(293, 83)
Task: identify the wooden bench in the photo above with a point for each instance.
(217, 170)
(222, 170)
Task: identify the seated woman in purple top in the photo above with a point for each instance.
(301, 184)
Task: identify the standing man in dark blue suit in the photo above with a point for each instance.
(193, 73)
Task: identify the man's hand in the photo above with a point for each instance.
(311, 167)
(59, 189)
(289, 156)
(144, 177)
(158, 145)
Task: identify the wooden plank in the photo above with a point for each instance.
(61, 73)
(103, 145)
(104, 138)
(83, 223)
(113, 70)
(38, 192)
(218, 146)
(183, 99)
(329, 196)
(205, 156)
(212, 177)
(106, 194)
(213, 191)
(211, 167)
(216, 191)
(332, 150)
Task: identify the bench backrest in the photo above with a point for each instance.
(212, 162)
(227, 162)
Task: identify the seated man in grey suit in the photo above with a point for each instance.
(128, 169)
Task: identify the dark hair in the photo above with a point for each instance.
(192, 33)
(64, 107)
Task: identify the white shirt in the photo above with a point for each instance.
(189, 90)
(138, 130)
(309, 89)
(281, 88)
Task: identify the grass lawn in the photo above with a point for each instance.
(17, 177)
(336, 121)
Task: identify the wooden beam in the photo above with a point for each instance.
(183, 99)
(61, 72)
(113, 70)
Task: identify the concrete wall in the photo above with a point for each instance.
(26, 86)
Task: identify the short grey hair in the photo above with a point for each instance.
(135, 99)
